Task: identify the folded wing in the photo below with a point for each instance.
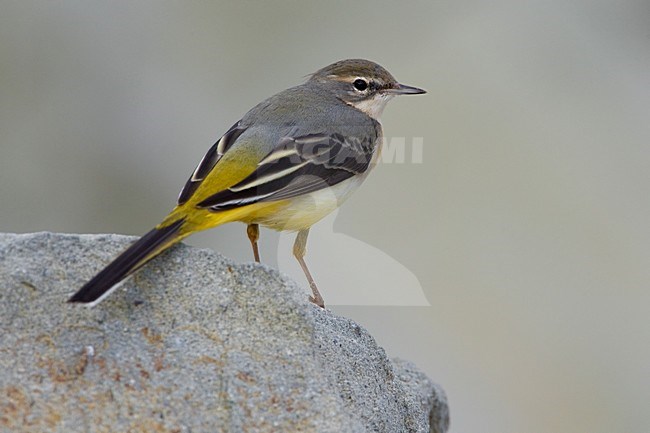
(296, 166)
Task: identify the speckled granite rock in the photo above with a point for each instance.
(193, 343)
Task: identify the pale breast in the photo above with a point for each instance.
(306, 210)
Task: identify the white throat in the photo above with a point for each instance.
(374, 106)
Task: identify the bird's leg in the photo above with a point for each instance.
(253, 231)
(299, 250)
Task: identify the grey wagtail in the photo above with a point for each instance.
(289, 162)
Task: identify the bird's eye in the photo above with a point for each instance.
(360, 84)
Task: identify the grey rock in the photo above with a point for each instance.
(192, 343)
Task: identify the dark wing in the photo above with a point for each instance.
(296, 166)
(208, 162)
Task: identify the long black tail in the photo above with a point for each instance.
(143, 250)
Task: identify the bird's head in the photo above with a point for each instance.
(362, 84)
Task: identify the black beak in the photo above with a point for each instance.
(402, 89)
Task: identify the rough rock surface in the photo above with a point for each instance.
(193, 343)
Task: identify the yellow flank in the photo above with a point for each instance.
(202, 219)
(232, 168)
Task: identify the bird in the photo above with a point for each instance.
(286, 164)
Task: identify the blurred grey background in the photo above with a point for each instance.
(526, 224)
